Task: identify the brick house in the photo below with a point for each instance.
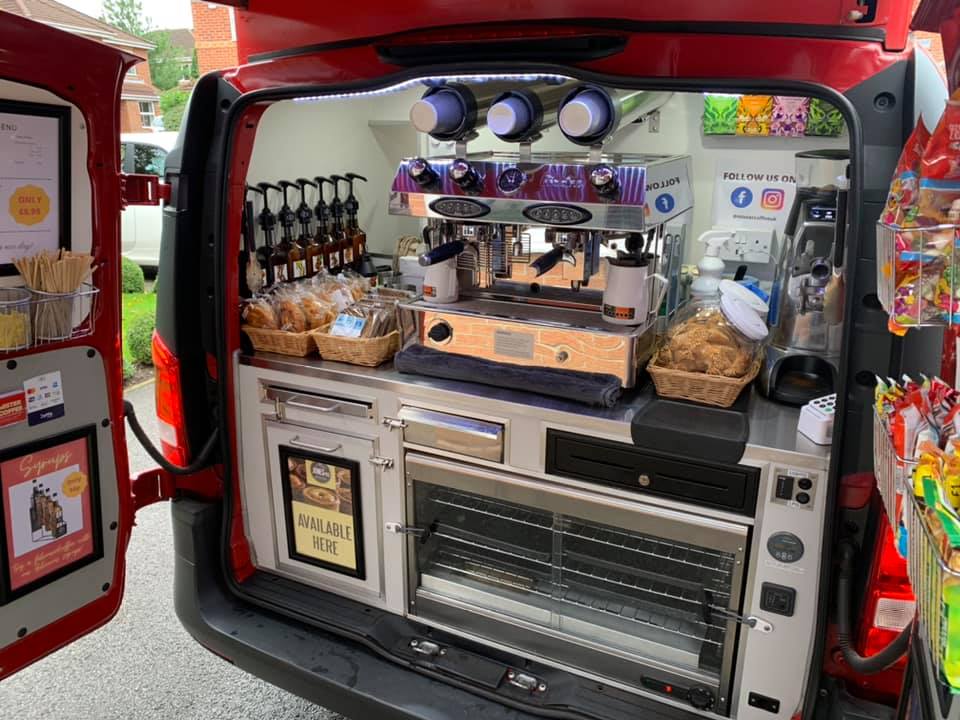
(140, 100)
(215, 36)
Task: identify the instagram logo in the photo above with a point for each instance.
(771, 199)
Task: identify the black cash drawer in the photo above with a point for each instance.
(729, 487)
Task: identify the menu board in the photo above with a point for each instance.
(49, 498)
(34, 180)
(321, 497)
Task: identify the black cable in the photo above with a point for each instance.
(881, 660)
(198, 463)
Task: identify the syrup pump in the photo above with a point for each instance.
(307, 240)
(344, 246)
(627, 296)
(254, 277)
(296, 261)
(273, 267)
(361, 259)
(322, 211)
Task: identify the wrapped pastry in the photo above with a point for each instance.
(318, 313)
(258, 312)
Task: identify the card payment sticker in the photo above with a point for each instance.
(44, 398)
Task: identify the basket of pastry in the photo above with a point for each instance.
(365, 333)
(281, 321)
(711, 354)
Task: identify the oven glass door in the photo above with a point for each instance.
(626, 579)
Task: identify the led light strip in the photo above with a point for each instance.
(407, 84)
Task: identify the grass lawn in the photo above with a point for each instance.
(135, 305)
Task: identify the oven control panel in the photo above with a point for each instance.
(794, 488)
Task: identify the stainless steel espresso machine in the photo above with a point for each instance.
(550, 262)
(558, 256)
(806, 318)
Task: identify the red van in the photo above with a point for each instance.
(484, 569)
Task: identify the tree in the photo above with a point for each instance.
(173, 103)
(166, 61)
(127, 15)
(195, 66)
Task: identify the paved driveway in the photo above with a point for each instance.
(144, 664)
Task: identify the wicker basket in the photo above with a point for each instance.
(280, 341)
(357, 351)
(699, 387)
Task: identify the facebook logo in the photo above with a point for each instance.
(665, 202)
(741, 197)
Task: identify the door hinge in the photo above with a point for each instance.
(401, 529)
(157, 485)
(382, 462)
(139, 189)
(394, 423)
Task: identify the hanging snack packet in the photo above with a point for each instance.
(720, 114)
(823, 119)
(940, 167)
(901, 208)
(789, 117)
(753, 114)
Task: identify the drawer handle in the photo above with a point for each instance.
(309, 406)
(309, 446)
(644, 480)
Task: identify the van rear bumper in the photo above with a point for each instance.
(331, 671)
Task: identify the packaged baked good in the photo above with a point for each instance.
(902, 198)
(940, 167)
(290, 313)
(317, 312)
(259, 312)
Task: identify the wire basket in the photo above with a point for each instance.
(63, 316)
(917, 280)
(892, 471)
(15, 325)
(930, 576)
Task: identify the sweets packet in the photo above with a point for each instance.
(902, 198)
(940, 167)
(823, 119)
(720, 114)
(753, 114)
(789, 118)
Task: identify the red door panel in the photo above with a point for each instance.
(266, 26)
(32, 54)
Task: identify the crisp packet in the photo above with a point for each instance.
(940, 167)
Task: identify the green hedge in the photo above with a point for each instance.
(131, 276)
(139, 339)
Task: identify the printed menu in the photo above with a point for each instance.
(322, 499)
(30, 183)
(48, 511)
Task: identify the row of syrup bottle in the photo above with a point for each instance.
(337, 244)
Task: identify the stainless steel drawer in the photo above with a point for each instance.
(453, 433)
(285, 397)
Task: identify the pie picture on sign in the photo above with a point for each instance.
(322, 510)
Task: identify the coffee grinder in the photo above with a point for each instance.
(806, 311)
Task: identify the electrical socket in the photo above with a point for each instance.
(751, 246)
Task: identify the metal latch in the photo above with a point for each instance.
(526, 682)
(751, 621)
(142, 189)
(426, 648)
(394, 423)
(400, 529)
(381, 462)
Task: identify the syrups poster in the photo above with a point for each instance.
(48, 511)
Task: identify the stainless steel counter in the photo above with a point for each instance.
(772, 426)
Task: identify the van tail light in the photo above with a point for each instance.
(169, 398)
(889, 604)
